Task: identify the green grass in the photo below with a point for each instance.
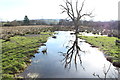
(17, 52)
(106, 44)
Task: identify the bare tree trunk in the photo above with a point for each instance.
(75, 49)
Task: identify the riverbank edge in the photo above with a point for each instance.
(115, 61)
(38, 42)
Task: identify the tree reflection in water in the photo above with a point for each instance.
(115, 74)
(105, 72)
(73, 52)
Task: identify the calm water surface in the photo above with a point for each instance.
(50, 64)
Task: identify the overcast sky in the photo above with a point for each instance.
(104, 10)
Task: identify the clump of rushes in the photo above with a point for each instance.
(17, 52)
(106, 44)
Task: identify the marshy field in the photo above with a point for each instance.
(40, 52)
(59, 39)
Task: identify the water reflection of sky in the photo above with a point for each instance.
(50, 66)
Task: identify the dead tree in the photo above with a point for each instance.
(75, 15)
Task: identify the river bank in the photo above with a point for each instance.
(20, 46)
(107, 45)
(17, 52)
(52, 62)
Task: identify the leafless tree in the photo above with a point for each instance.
(75, 13)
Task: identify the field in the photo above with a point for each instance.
(19, 47)
(20, 43)
(7, 32)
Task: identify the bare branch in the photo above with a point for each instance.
(87, 14)
(63, 11)
(68, 11)
(63, 7)
(81, 6)
(77, 7)
(71, 9)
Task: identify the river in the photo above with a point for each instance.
(49, 63)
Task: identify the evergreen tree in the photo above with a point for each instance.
(26, 20)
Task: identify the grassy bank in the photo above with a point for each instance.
(106, 44)
(17, 52)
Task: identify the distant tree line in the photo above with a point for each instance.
(64, 22)
(12, 23)
(94, 24)
(108, 24)
(31, 22)
(27, 22)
